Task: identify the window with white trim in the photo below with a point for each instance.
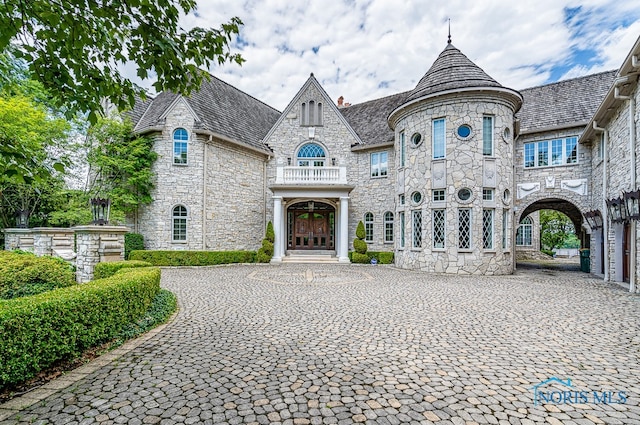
(403, 149)
(439, 228)
(311, 154)
(368, 227)
(487, 229)
(505, 229)
(464, 228)
(180, 139)
(438, 137)
(487, 135)
(388, 226)
(554, 152)
(379, 164)
(179, 223)
(487, 194)
(401, 216)
(416, 229)
(524, 233)
(439, 195)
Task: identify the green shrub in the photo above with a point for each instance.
(267, 247)
(162, 307)
(359, 258)
(360, 246)
(548, 252)
(270, 235)
(108, 269)
(132, 242)
(263, 257)
(23, 274)
(42, 329)
(383, 257)
(193, 258)
(360, 233)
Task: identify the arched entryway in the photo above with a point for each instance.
(311, 226)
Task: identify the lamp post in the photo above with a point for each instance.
(100, 209)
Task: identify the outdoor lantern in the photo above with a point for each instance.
(617, 210)
(594, 219)
(632, 201)
(22, 219)
(100, 209)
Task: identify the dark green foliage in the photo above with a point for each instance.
(267, 247)
(556, 230)
(132, 242)
(270, 234)
(359, 258)
(108, 269)
(360, 246)
(547, 251)
(22, 274)
(40, 330)
(383, 257)
(193, 258)
(263, 257)
(360, 233)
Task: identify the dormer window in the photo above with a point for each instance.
(311, 155)
(311, 113)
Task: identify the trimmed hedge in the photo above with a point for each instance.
(108, 269)
(132, 242)
(23, 274)
(383, 257)
(193, 258)
(40, 330)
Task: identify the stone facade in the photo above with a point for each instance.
(97, 244)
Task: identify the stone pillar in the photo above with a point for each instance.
(277, 228)
(16, 238)
(343, 243)
(96, 244)
(53, 241)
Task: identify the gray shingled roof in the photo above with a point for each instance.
(369, 119)
(452, 70)
(138, 110)
(565, 103)
(222, 109)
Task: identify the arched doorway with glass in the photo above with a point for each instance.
(311, 226)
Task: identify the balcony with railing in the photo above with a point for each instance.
(311, 175)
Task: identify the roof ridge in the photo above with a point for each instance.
(243, 92)
(376, 99)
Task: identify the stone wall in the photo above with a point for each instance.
(465, 166)
(97, 244)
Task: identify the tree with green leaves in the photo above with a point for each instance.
(76, 48)
(556, 229)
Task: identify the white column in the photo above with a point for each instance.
(277, 229)
(343, 243)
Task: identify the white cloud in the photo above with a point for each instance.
(368, 49)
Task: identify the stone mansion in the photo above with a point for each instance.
(446, 175)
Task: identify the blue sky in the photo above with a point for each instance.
(367, 49)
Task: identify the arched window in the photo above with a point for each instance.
(368, 227)
(311, 155)
(319, 115)
(179, 223)
(303, 114)
(312, 111)
(180, 138)
(388, 226)
(524, 234)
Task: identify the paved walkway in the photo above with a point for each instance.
(300, 344)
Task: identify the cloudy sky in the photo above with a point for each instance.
(366, 49)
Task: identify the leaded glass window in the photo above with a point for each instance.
(311, 154)
(439, 228)
(464, 228)
(487, 229)
(416, 231)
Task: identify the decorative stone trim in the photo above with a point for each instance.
(526, 189)
(578, 186)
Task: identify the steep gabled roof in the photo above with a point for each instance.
(221, 109)
(568, 103)
(452, 70)
(369, 119)
(139, 108)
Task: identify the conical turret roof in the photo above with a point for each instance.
(452, 70)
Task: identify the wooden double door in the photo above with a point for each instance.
(311, 229)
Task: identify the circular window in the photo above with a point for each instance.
(464, 194)
(464, 131)
(416, 197)
(416, 139)
(506, 134)
(506, 196)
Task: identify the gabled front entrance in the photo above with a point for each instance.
(311, 226)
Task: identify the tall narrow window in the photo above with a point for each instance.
(303, 114)
(524, 232)
(388, 226)
(403, 146)
(439, 147)
(572, 150)
(416, 229)
(368, 227)
(439, 232)
(401, 214)
(556, 152)
(601, 147)
(464, 228)
(379, 164)
(505, 229)
(487, 229)
(179, 225)
(487, 136)
(529, 155)
(180, 138)
(319, 114)
(312, 110)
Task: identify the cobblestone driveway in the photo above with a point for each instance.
(302, 344)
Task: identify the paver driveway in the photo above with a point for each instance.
(346, 344)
